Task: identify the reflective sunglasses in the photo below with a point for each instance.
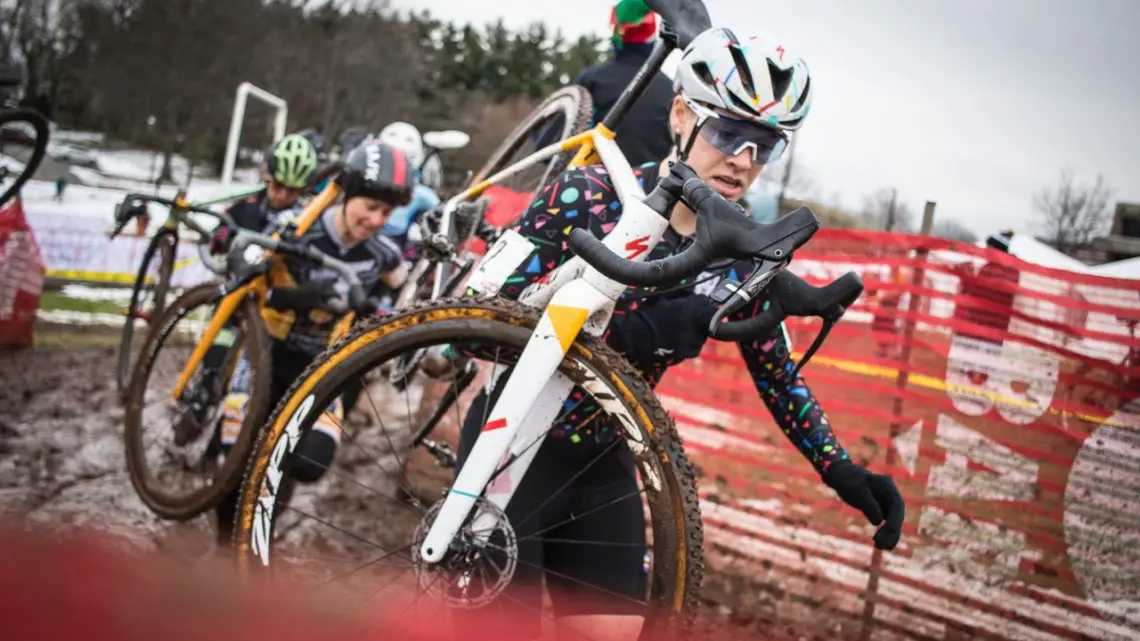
(730, 136)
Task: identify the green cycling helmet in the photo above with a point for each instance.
(292, 161)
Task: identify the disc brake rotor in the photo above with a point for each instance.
(477, 567)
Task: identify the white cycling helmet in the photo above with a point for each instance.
(407, 139)
(752, 78)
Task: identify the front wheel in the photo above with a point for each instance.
(14, 132)
(185, 455)
(372, 510)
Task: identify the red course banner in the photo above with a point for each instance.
(21, 277)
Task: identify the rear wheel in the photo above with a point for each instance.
(358, 527)
(565, 113)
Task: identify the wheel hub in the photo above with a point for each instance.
(477, 567)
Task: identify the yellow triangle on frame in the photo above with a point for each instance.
(567, 321)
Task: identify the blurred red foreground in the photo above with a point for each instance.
(86, 586)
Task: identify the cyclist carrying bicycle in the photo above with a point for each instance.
(288, 167)
(407, 138)
(736, 103)
(375, 180)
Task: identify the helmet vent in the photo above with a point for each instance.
(740, 104)
(781, 81)
(803, 96)
(703, 72)
(742, 69)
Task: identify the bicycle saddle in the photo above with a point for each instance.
(687, 18)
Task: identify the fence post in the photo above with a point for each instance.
(901, 379)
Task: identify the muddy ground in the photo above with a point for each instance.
(62, 465)
(61, 449)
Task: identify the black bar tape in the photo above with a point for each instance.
(687, 264)
(752, 328)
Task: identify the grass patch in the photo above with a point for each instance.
(52, 300)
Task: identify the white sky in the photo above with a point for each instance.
(973, 104)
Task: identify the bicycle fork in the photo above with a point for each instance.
(528, 404)
(227, 306)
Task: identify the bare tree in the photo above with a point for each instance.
(951, 229)
(337, 63)
(37, 33)
(883, 211)
(1074, 213)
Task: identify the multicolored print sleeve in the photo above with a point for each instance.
(791, 402)
(558, 209)
(582, 197)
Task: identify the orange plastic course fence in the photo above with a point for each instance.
(999, 394)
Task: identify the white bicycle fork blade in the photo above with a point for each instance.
(526, 444)
(538, 363)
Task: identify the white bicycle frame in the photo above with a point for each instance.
(576, 296)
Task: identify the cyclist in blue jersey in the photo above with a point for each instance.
(407, 138)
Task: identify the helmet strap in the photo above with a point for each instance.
(342, 228)
(683, 152)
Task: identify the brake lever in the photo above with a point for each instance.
(815, 345)
(121, 218)
(244, 274)
(829, 317)
(438, 247)
(731, 297)
(338, 305)
(117, 230)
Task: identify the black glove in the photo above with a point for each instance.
(304, 297)
(875, 495)
(669, 330)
